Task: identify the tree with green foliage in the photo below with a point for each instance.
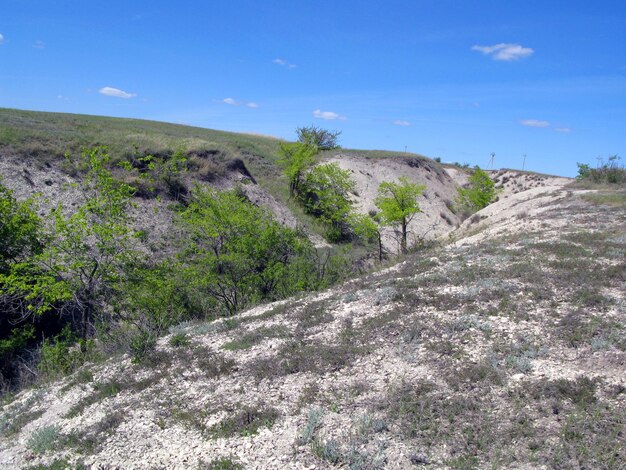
(20, 240)
(296, 159)
(326, 195)
(479, 193)
(20, 230)
(238, 254)
(86, 254)
(368, 227)
(398, 205)
(321, 139)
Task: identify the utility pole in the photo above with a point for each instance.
(524, 163)
(491, 161)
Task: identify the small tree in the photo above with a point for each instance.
(368, 227)
(296, 159)
(86, 254)
(398, 204)
(326, 194)
(480, 192)
(20, 240)
(20, 230)
(237, 253)
(321, 139)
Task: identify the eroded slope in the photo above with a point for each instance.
(504, 350)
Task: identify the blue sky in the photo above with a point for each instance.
(450, 79)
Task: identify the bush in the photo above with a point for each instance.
(44, 439)
(480, 192)
(63, 354)
(610, 172)
(325, 193)
(321, 139)
(179, 339)
(237, 254)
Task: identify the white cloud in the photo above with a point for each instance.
(234, 102)
(328, 115)
(505, 51)
(400, 122)
(1, 38)
(39, 45)
(116, 92)
(534, 123)
(563, 129)
(284, 63)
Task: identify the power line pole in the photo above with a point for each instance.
(491, 160)
(524, 163)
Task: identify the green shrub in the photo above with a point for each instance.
(63, 354)
(142, 344)
(223, 463)
(325, 194)
(610, 172)
(321, 139)
(179, 339)
(237, 254)
(44, 439)
(480, 192)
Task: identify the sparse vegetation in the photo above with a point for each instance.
(607, 172)
(44, 439)
(245, 422)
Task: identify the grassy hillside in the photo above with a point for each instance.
(42, 138)
(47, 136)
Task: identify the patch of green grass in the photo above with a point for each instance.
(464, 424)
(179, 339)
(254, 337)
(313, 314)
(591, 438)
(328, 450)
(102, 391)
(245, 422)
(213, 365)
(579, 328)
(12, 422)
(617, 199)
(580, 392)
(299, 356)
(223, 463)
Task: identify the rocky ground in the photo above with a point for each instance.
(503, 347)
